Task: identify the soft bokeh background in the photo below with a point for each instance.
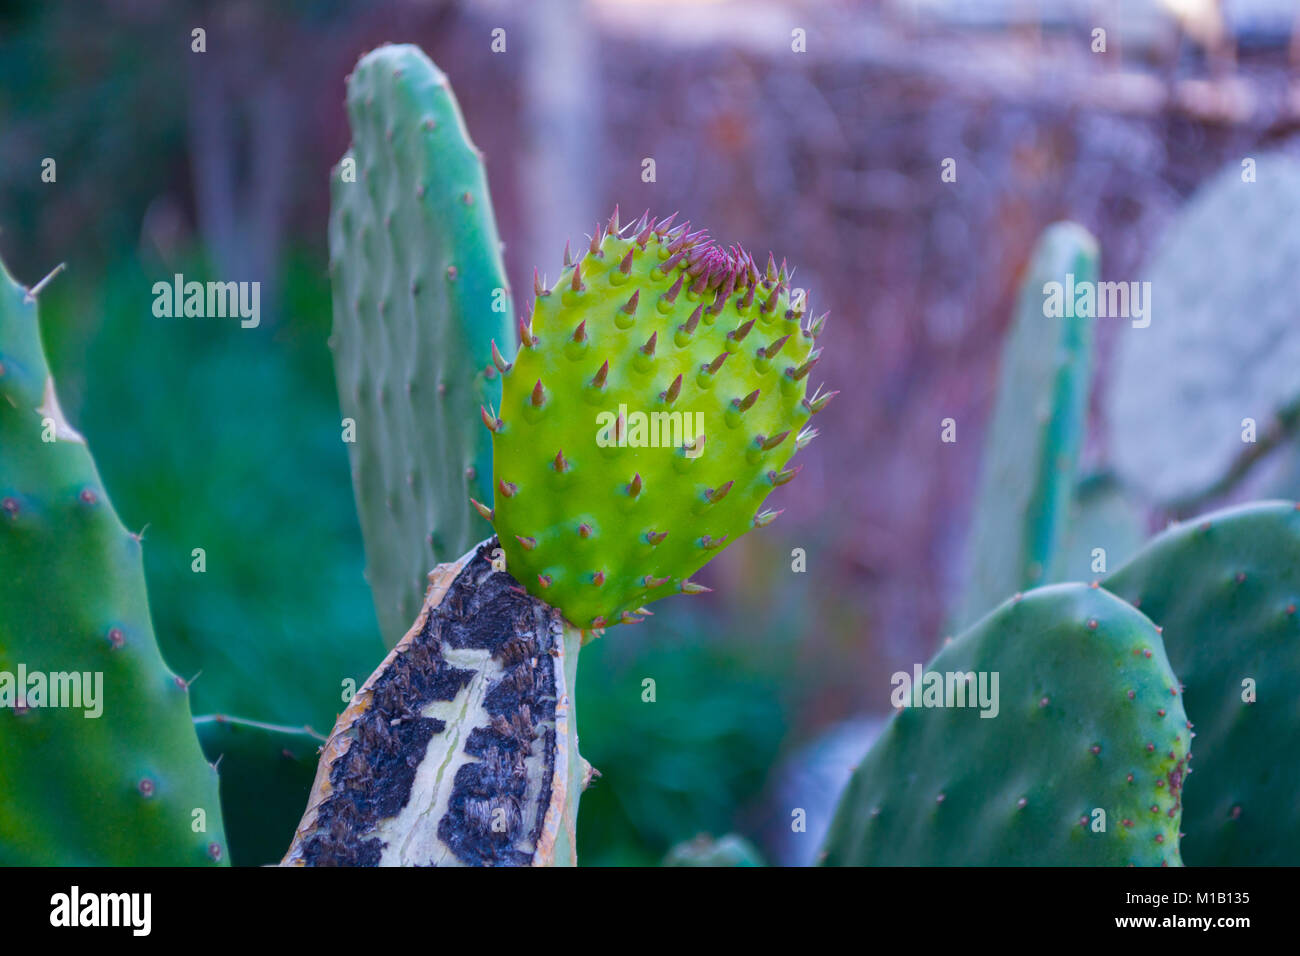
(216, 165)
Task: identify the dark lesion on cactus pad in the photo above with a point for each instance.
(501, 789)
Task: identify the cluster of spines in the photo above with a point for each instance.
(705, 266)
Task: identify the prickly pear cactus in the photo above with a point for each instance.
(1088, 718)
(120, 779)
(1039, 422)
(420, 294)
(1225, 588)
(658, 395)
(1223, 344)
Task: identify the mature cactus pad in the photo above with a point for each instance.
(1089, 718)
(120, 780)
(1225, 588)
(657, 398)
(420, 294)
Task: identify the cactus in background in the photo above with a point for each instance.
(1089, 718)
(462, 747)
(128, 786)
(419, 296)
(1222, 345)
(657, 398)
(1038, 426)
(1224, 587)
(1102, 516)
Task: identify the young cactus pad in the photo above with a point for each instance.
(1078, 760)
(657, 397)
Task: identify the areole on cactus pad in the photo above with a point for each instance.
(658, 395)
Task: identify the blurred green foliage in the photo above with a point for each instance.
(695, 758)
(75, 88)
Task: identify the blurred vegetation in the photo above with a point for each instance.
(693, 759)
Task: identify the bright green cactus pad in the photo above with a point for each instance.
(1089, 717)
(121, 788)
(657, 398)
(419, 296)
(1039, 422)
(1225, 588)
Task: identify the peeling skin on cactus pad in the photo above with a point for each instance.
(657, 398)
(448, 756)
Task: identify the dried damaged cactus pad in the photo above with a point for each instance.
(657, 398)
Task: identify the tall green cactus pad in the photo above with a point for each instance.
(1225, 588)
(420, 294)
(1039, 423)
(659, 394)
(120, 779)
(1089, 718)
(1222, 345)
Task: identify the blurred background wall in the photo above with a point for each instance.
(169, 161)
